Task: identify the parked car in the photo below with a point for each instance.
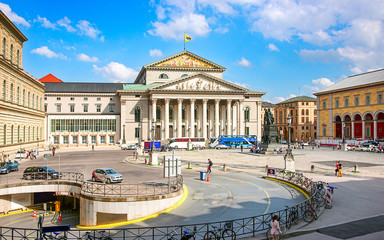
(6, 167)
(40, 173)
(21, 155)
(222, 146)
(106, 175)
(129, 147)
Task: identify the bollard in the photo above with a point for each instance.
(356, 168)
(312, 168)
(266, 168)
(189, 165)
(224, 168)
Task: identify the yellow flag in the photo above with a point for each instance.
(187, 38)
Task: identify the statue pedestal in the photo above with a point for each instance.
(270, 148)
(289, 161)
(153, 158)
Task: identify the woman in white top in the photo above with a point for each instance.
(275, 231)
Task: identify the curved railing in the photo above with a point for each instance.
(244, 227)
(110, 190)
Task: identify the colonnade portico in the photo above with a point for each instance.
(207, 123)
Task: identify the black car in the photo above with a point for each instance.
(40, 173)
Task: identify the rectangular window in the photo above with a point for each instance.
(65, 139)
(102, 139)
(368, 99)
(346, 102)
(72, 108)
(56, 140)
(380, 98)
(324, 104)
(307, 119)
(84, 139)
(58, 98)
(356, 100)
(45, 108)
(111, 108)
(302, 119)
(72, 99)
(93, 139)
(111, 139)
(98, 108)
(74, 139)
(324, 131)
(337, 103)
(98, 99)
(246, 130)
(137, 134)
(85, 108)
(58, 108)
(85, 99)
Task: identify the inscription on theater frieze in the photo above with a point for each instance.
(199, 84)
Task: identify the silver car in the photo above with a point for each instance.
(106, 175)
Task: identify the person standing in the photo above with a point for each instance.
(241, 146)
(337, 168)
(209, 170)
(339, 173)
(275, 228)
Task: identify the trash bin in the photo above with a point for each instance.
(203, 175)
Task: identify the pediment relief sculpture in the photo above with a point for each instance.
(198, 85)
(184, 61)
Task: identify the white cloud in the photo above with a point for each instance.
(320, 55)
(116, 72)
(160, 12)
(244, 62)
(191, 23)
(85, 58)
(319, 84)
(45, 51)
(273, 47)
(45, 22)
(69, 48)
(87, 29)
(281, 99)
(6, 9)
(155, 53)
(65, 22)
(222, 30)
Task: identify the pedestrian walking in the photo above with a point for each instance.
(339, 173)
(210, 163)
(241, 146)
(275, 228)
(337, 168)
(93, 147)
(53, 151)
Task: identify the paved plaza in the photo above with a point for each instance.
(239, 192)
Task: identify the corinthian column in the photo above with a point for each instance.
(217, 125)
(192, 121)
(179, 117)
(241, 117)
(153, 115)
(204, 118)
(229, 124)
(166, 120)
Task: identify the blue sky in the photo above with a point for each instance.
(283, 47)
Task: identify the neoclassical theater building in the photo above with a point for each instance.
(183, 95)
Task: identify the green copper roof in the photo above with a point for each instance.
(299, 99)
(139, 87)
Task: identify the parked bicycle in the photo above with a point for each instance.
(293, 216)
(55, 236)
(225, 232)
(185, 235)
(102, 236)
(311, 211)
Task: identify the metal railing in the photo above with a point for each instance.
(244, 227)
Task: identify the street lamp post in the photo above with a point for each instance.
(153, 133)
(139, 137)
(189, 138)
(288, 157)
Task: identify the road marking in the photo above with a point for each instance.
(181, 201)
(266, 193)
(230, 195)
(17, 212)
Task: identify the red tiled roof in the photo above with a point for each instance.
(49, 78)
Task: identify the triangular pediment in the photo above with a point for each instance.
(200, 82)
(185, 60)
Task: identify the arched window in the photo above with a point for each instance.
(4, 89)
(163, 76)
(4, 43)
(315, 112)
(307, 112)
(184, 75)
(37, 102)
(195, 113)
(158, 114)
(183, 114)
(18, 95)
(29, 99)
(33, 100)
(41, 104)
(23, 97)
(33, 133)
(246, 114)
(11, 93)
(5, 134)
(29, 133)
(302, 111)
(11, 52)
(24, 134)
(18, 134)
(18, 57)
(41, 132)
(137, 114)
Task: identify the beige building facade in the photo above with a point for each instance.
(22, 96)
(303, 111)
